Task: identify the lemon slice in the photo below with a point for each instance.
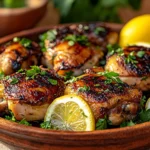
(70, 112)
(136, 30)
(147, 105)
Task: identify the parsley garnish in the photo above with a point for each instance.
(127, 123)
(140, 53)
(144, 78)
(68, 75)
(10, 117)
(46, 125)
(2, 75)
(14, 81)
(101, 124)
(112, 49)
(111, 76)
(33, 72)
(143, 101)
(25, 42)
(145, 115)
(84, 88)
(49, 35)
(98, 30)
(52, 81)
(81, 39)
(131, 58)
(25, 122)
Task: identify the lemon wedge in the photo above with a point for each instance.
(137, 30)
(147, 105)
(70, 112)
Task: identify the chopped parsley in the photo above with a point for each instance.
(31, 73)
(99, 30)
(24, 41)
(145, 115)
(111, 76)
(2, 75)
(25, 122)
(131, 58)
(81, 39)
(49, 35)
(115, 48)
(68, 75)
(143, 101)
(127, 123)
(10, 117)
(53, 81)
(140, 53)
(101, 124)
(84, 88)
(46, 125)
(14, 81)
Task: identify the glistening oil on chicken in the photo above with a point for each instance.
(33, 75)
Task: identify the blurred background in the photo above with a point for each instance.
(66, 11)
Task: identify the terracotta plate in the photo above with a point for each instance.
(24, 137)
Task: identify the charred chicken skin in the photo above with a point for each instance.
(75, 48)
(30, 92)
(108, 97)
(20, 54)
(133, 65)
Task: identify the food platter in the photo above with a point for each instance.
(25, 137)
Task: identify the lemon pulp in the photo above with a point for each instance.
(70, 112)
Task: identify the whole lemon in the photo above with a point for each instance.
(137, 30)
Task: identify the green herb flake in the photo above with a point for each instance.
(143, 101)
(53, 81)
(2, 75)
(131, 58)
(81, 39)
(26, 42)
(14, 81)
(145, 115)
(101, 124)
(127, 123)
(115, 48)
(68, 75)
(140, 53)
(99, 30)
(25, 122)
(84, 88)
(46, 125)
(111, 76)
(10, 117)
(31, 73)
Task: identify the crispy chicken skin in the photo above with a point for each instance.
(29, 98)
(63, 57)
(14, 56)
(117, 101)
(135, 71)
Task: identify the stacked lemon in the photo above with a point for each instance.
(136, 31)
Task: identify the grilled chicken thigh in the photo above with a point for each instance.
(76, 48)
(133, 66)
(30, 92)
(20, 54)
(107, 96)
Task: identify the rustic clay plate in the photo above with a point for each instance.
(18, 136)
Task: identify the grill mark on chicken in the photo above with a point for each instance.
(33, 91)
(17, 56)
(118, 101)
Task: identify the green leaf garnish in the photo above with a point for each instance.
(115, 48)
(84, 88)
(111, 76)
(101, 124)
(140, 53)
(131, 58)
(31, 73)
(53, 81)
(2, 75)
(145, 115)
(127, 123)
(25, 42)
(46, 125)
(143, 101)
(81, 39)
(14, 81)
(98, 30)
(68, 75)
(25, 122)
